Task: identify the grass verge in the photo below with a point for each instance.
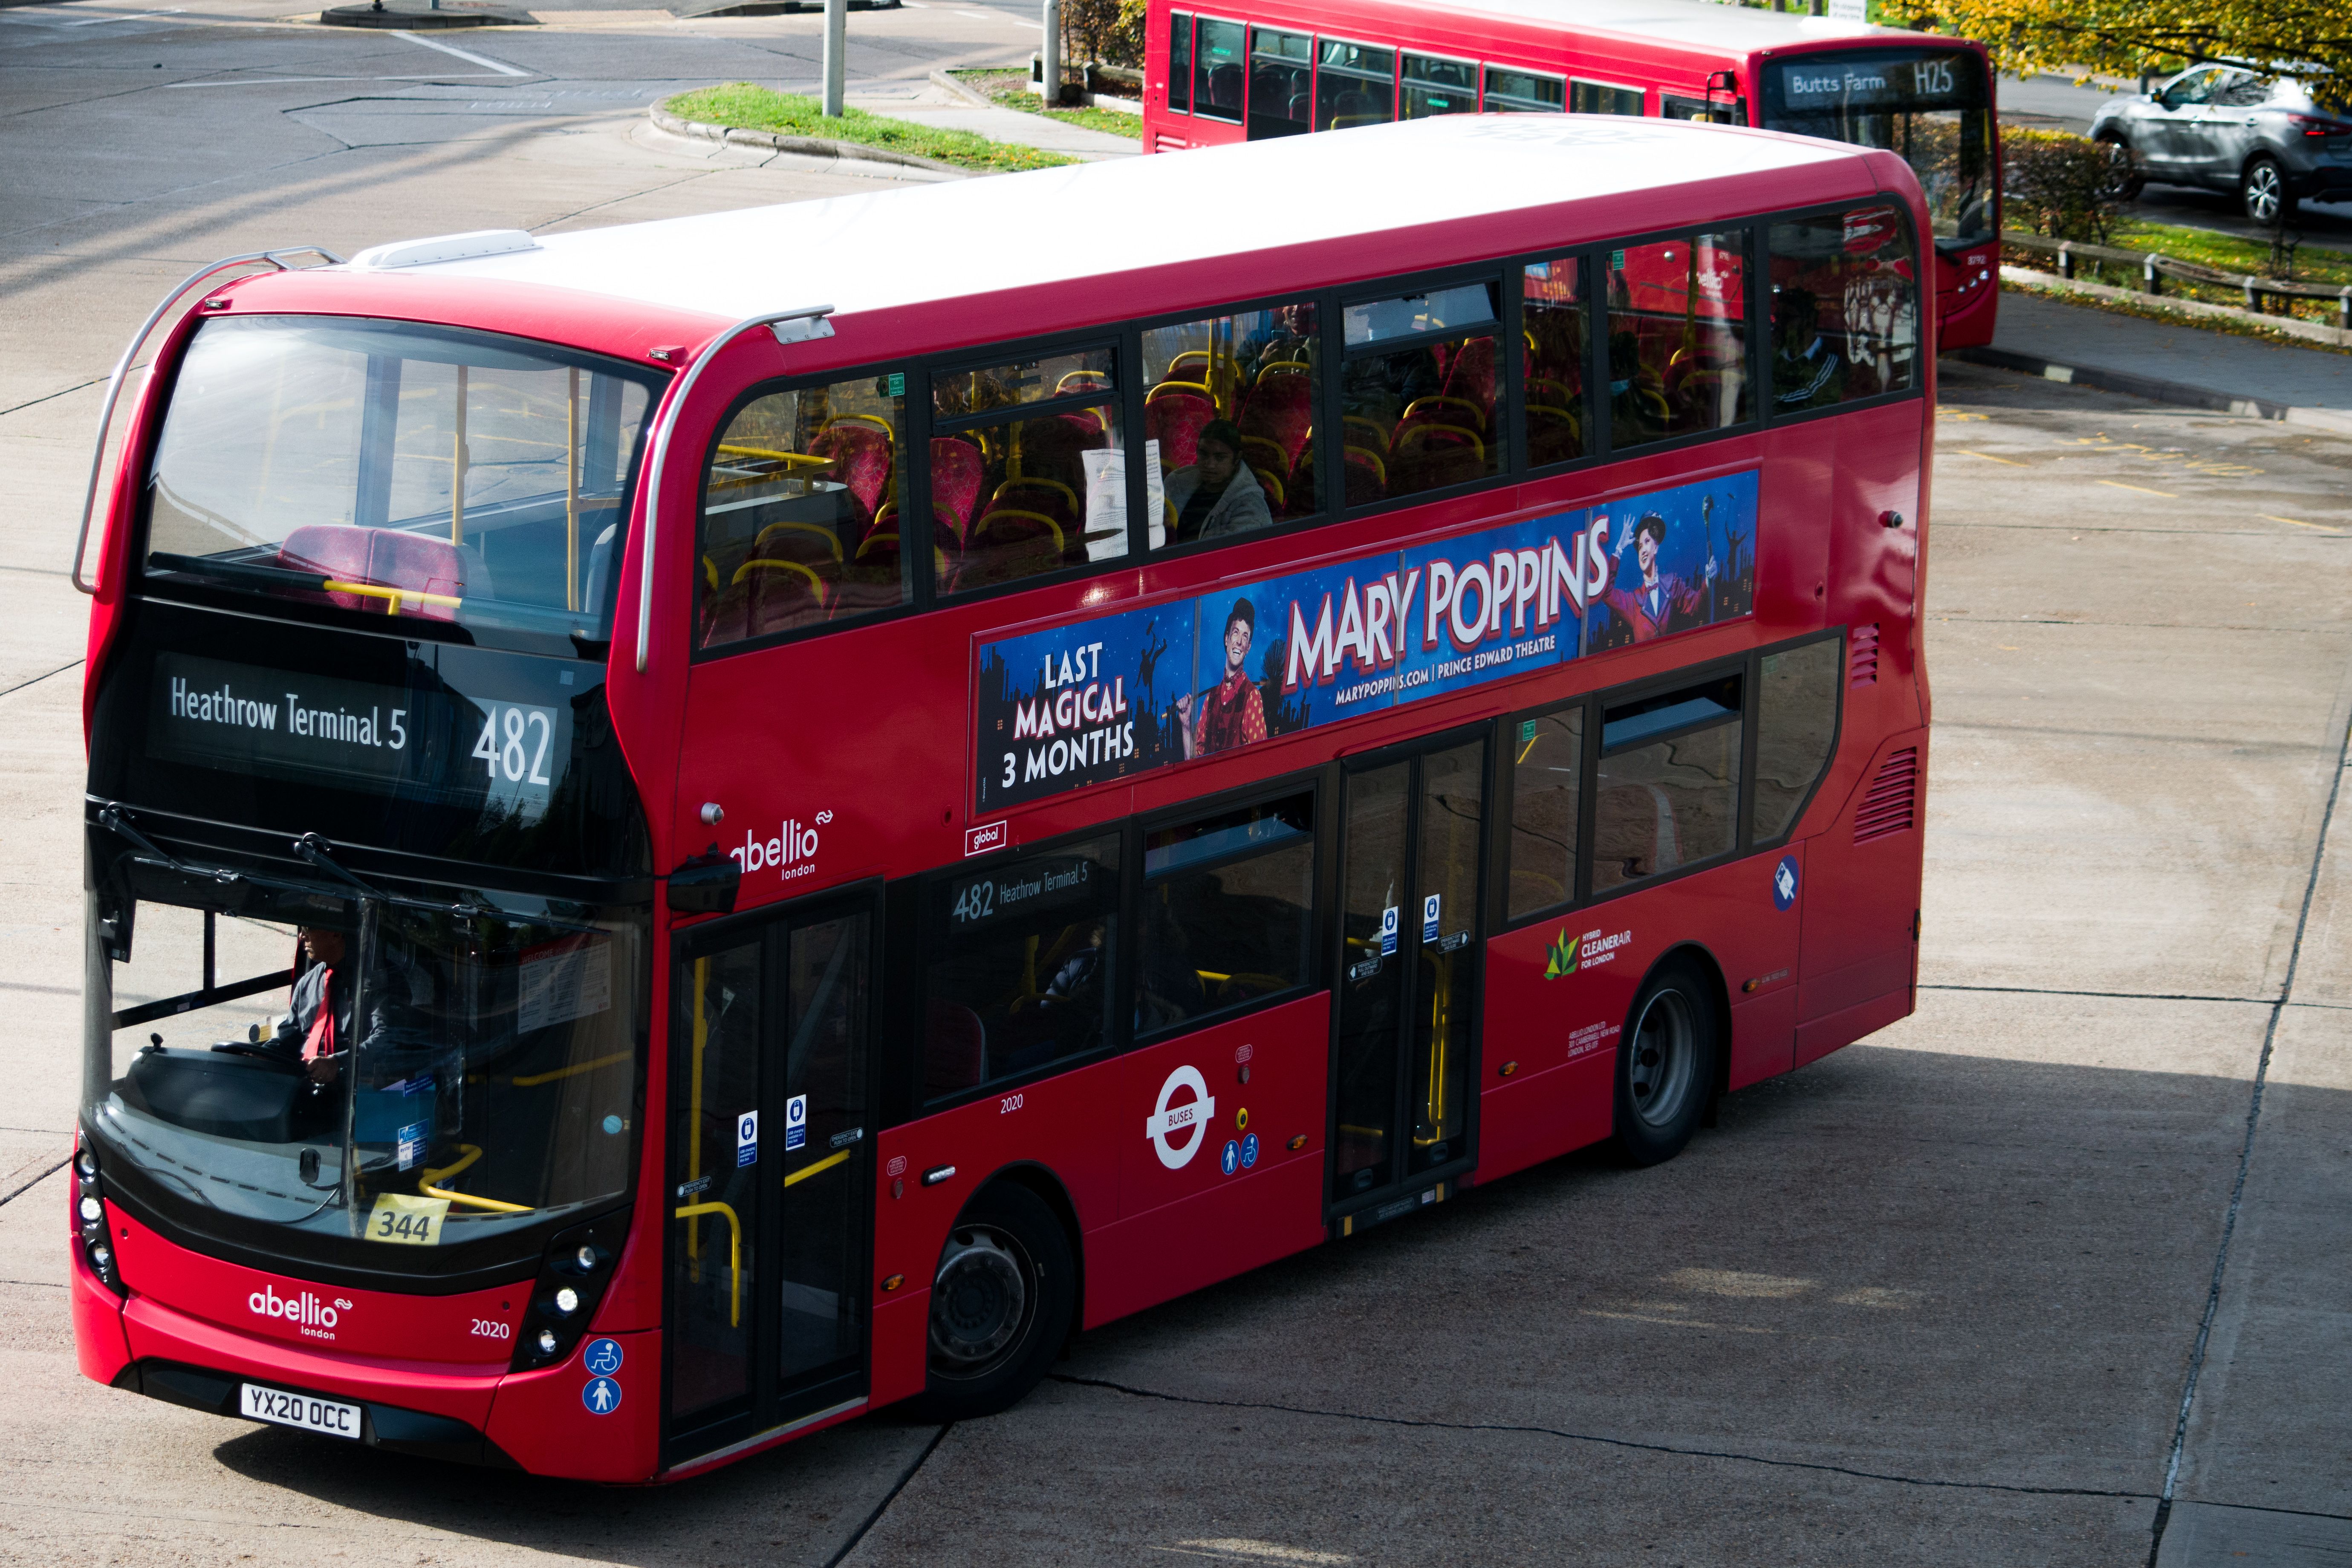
(739, 106)
(2228, 252)
(1010, 90)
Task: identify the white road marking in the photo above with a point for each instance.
(138, 16)
(271, 80)
(424, 43)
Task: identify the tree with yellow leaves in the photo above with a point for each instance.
(2127, 37)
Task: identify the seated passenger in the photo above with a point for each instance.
(1807, 372)
(1217, 493)
(1079, 979)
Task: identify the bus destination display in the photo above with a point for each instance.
(424, 739)
(1127, 693)
(1908, 83)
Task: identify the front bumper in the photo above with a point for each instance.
(387, 1426)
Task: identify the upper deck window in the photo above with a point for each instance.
(801, 511)
(1421, 415)
(1524, 92)
(1555, 308)
(1932, 106)
(1845, 308)
(1028, 468)
(402, 470)
(1217, 72)
(1230, 421)
(1282, 83)
(1603, 98)
(1435, 86)
(1355, 84)
(1677, 337)
(1179, 62)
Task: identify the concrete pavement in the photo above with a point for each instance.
(1935, 1299)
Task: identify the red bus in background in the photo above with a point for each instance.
(701, 827)
(1283, 67)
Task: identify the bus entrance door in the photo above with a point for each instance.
(1404, 1032)
(770, 1195)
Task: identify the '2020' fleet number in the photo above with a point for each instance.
(514, 743)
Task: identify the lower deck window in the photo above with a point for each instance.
(1020, 968)
(1667, 792)
(1226, 910)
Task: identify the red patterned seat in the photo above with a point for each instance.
(861, 461)
(1175, 421)
(957, 472)
(418, 563)
(1471, 376)
(1281, 408)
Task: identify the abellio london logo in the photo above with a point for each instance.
(792, 852)
(309, 1313)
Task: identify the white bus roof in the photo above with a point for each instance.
(979, 236)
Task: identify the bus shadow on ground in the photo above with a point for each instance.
(1958, 1275)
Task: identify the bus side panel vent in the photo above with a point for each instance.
(1891, 805)
(1862, 656)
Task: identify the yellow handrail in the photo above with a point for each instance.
(392, 595)
(427, 1183)
(805, 1172)
(532, 1080)
(734, 1254)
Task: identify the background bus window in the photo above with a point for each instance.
(1217, 70)
(1035, 488)
(1673, 106)
(1677, 337)
(1354, 85)
(1018, 967)
(1179, 62)
(1603, 98)
(1225, 907)
(1667, 792)
(1846, 311)
(1435, 85)
(1282, 83)
(1245, 384)
(1547, 772)
(1421, 416)
(1931, 106)
(1524, 92)
(799, 510)
(1796, 725)
(1553, 303)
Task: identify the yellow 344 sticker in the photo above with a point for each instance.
(414, 1222)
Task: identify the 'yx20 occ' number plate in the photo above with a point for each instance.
(328, 1416)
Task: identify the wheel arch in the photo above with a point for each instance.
(1695, 954)
(1049, 1189)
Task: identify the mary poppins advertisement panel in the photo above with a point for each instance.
(1123, 694)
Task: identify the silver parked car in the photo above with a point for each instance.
(2274, 140)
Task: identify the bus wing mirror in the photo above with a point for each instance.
(705, 885)
(1722, 81)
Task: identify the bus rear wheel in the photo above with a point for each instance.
(1665, 1065)
(1001, 1304)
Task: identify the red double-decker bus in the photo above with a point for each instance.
(698, 828)
(1262, 68)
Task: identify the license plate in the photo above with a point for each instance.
(311, 1414)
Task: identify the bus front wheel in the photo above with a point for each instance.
(1001, 1304)
(1665, 1065)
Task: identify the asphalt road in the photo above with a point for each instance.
(1935, 1299)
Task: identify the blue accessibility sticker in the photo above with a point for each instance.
(602, 1396)
(1249, 1150)
(1784, 882)
(1231, 1158)
(602, 1358)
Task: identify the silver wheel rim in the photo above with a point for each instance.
(2262, 192)
(981, 1301)
(1664, 1058)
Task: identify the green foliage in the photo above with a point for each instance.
(2057, 183)
(739, 105)
(1108, 31)
(1012, 89)
(2126, 36)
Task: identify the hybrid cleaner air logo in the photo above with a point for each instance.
(306, 1312)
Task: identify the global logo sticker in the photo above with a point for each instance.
(1784, 882)
(1191, 1119)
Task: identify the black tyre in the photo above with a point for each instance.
(2263, 193)
(2129, 180)
(1665, 1065)
(1001, 1304)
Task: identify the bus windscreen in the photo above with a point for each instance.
(1932, 106)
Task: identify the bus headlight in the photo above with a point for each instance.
(578, 1266)
(89, 1218)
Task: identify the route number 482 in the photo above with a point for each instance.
(514, 743)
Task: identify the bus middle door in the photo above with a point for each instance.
(1404, 1031)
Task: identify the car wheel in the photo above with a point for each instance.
(2262, 191)
(2131, 180)
(1665, 1065)
(1001, 1304)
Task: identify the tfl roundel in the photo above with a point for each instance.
(1178, 1126)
